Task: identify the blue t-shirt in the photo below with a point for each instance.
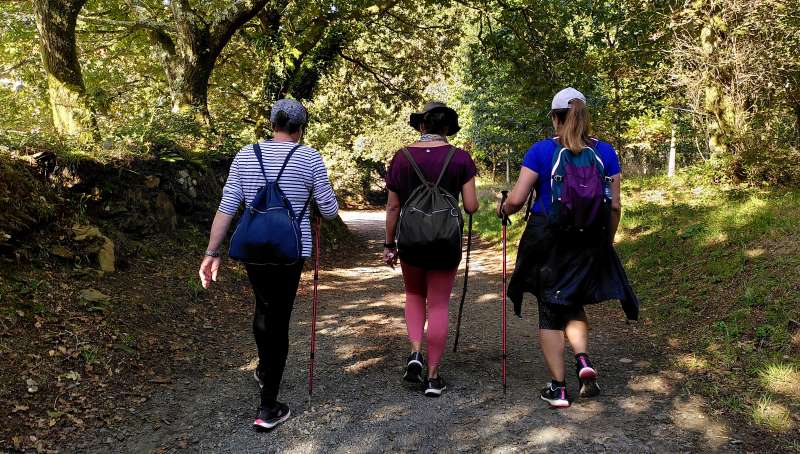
(539, 158)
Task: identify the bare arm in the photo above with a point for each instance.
(517, 197)
(219, 228)
(210, 265)
(469, 196)
(616, 204)
(392, 215)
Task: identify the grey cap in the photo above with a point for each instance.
(298, 114)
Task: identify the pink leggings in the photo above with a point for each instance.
(434, 287)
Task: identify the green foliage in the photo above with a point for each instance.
(736, 63)
(714, 266)
(721, 74)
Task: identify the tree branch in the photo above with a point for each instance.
(378, 77)
(226, 24)
(139, 24)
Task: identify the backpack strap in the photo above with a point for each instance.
(450, 153)
(414, 165)
(528, 205)
(597, 155)
(257, 151)
(285, 162)
(556, 163)
(305, 205)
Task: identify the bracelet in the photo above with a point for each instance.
(391, 245)
(212, 254)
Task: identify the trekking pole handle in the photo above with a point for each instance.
(504, 196)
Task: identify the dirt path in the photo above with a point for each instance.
(361, 405)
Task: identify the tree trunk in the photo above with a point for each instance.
(671, 160)
(71, 106)
(797, 119)
(190, 94)
(189, 52)
(191, 71)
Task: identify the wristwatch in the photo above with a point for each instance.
(391, 245)
(212, 254)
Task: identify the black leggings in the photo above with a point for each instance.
(275, 287)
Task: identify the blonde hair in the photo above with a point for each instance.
(574, 126)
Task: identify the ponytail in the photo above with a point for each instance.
(574, 126)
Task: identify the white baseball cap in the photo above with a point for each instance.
(562, 98)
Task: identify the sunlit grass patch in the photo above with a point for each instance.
(772, 415)
(783, 379)
(692, 362)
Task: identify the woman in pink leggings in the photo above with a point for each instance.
(427, 290)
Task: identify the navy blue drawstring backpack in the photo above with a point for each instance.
(269, 231)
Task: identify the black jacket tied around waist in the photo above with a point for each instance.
(569, 269)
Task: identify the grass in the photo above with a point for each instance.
(717, 267)
(486, 223)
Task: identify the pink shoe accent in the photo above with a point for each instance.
(587, 373)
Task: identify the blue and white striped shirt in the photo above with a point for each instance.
(304, 172)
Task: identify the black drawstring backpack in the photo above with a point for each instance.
(431, 225)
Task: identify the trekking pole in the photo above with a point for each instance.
(503, 308)
(314, 300)
(464, 291)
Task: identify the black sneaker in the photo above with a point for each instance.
(414, 368)
(267, 418)
(587, 377)
(435, 386)
(257, 376)
(556, 396)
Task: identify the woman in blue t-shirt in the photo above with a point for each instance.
(566, 270)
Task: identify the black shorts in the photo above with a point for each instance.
(555, 316)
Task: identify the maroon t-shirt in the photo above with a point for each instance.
(401, 178)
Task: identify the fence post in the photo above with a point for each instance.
(508, 166)
(671, 162)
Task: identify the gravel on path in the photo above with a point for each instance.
(360, 403)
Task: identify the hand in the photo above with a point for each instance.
(208, 270)
(390, 256)
(499, 210)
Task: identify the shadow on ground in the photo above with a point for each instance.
(361, 405)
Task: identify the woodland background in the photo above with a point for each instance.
(146, 78)
(119, 119)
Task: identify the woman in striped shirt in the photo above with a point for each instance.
(274, 286)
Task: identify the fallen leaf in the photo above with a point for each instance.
(93, 296)
(72, 375)
(32, 385)
(61, 251)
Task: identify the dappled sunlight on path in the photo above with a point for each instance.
(361, 404)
